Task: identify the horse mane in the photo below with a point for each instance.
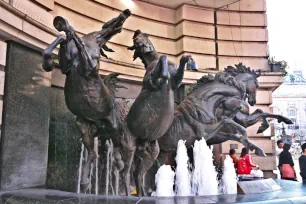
(219, 77)
(239, 68)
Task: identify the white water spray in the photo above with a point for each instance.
(164, 180)
(93, 170)
(204, 176)
(80, 169)
(182, 179)
(229, 177)
(96, 143)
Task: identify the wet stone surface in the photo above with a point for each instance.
(292, 192)
(25, 126)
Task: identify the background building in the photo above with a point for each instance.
(290, 100)
(39, 142)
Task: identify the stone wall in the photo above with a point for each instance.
(215, 38)
(25, 124)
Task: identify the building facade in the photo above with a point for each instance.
(292, 104)
(38, 133)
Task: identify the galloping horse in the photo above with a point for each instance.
(86, 94)
(152, 112)
(196, 116)
(249, 79)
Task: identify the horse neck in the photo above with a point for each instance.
(149, 57)
(244, 78)
(208, 90)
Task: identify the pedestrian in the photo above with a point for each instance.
(279, 148)
(232, 153)
(245, 163)
(286, 164)
(302, 162)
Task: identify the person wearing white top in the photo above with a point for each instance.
(278, 150)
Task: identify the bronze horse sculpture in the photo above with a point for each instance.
(87, 96)
(196, 116)
(152, 112)
(243, 117)
(216, 109)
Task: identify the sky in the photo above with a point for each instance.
(287, 31)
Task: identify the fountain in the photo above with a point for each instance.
(134, 138)
(164, 180)
(202, 184)
(229, 178)
(182, 174)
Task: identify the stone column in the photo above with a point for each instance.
(25, 124)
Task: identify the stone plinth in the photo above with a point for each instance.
(25, 125)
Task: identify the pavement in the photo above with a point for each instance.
(292, 193)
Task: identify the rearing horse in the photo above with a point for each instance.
(152, 112)
(243, 117)
(87, 96)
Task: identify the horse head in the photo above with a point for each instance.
(143, 48)
(109, 29)
(248, 77)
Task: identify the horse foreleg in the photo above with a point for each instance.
(118, 166)
(259, 114)
(223, 137)
(146, 158)
(179, 75)
(128, 151)
(88, 131)
(160, 73)
(214, 129)
(48, 62)
(244, 138)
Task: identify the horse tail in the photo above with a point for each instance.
(111, 81)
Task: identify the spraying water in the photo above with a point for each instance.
(80, 169)
(164, 180)
(204, 176)
(93, 171)
(182, 179)
(229, 177)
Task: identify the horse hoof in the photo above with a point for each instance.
(288, 121)
(260, 130)
(260, 152)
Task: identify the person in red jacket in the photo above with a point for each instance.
(245, 164)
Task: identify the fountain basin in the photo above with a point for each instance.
(292, 192)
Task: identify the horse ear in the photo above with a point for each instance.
(137, 32)
(258, 73)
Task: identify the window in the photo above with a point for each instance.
(292, 113)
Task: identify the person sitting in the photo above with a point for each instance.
(302, 162)
(286, 164)
(245, 164)
(232, 153)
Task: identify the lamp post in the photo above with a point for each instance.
(284, 135)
